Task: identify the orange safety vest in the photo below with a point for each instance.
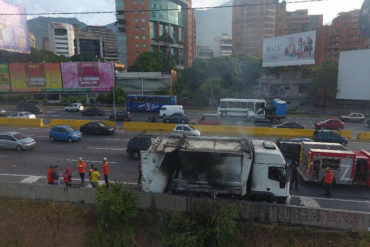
(329, 177)
(105, 168)
(81, 166)
(49, 175)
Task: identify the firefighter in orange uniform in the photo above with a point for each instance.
(328, 181)
(106, 172)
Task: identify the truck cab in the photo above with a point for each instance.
(275, 112)
(215, 165)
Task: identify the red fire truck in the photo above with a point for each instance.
(348, 167)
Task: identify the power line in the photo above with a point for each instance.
(157, 10)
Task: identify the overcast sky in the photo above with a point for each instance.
(330, 8)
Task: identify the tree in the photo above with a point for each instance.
(151, 62)
(83, 58)
(119, 93)
(325, 87)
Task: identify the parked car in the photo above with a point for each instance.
(29, 107)
(93, 111)
(186, 129)
(353, 117)
(139, 143)
(2, 112)
(97, 128)
(176, 118)
(329, 136)
(22, 115)
(168, 110)
(121, 116)
(15, 140)
(74, 107)
(209, 119)
(331, 124)
(290, 125)
(64, 133)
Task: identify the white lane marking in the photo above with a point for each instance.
(332, 199)
(91, 161)
(31, 179)
(112, 149)
(309, 202)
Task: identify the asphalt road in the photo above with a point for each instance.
(30, 166)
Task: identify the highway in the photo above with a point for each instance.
(30, 166)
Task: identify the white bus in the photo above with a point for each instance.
(240, 107)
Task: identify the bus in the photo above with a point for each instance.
(149, 103)
(240, 107)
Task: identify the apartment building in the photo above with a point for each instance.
(61, 39)
(223, 45)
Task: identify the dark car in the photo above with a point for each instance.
(290, 125)
(329, 136)
(29, 107)
(139, 143)
(368, 123)
(330, 124)
(301, 139)
(93, 111)
(290, 150)
(97, 128)
(176, 118)
(121, 116)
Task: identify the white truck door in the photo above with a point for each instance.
(153, 178)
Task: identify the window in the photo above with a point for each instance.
(179, 128)
(136, 28)
(303, 89)
(186, 129)
(144, 45)
(136, 19)
(144, 37)
(137, 45)
(143, 20)
(137, 36)
(277, 174)
(136, 1)
(332, 163)
(143, 28)
(142, 2)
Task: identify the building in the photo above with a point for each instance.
(170, 32)
(342, 35)
(46, 44)
(87, 43)
(61, 39)
(204, 52)
(32, 39)
(252, 24)
(296, 22)
(223, 45)
(109, 38)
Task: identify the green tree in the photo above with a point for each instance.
(325, 86)
(83, 58)
(119, 93)
(151, 62)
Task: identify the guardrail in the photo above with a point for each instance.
(363, 136)
(22, 122)
(75, 123)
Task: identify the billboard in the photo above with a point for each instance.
(35, 77)
(13, 28)
(289, 50)
(4, 78)
(94, 76)
(353, 75)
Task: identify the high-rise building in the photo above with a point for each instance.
(223, 45)
(172, 32)
(32, 39)
(61, 39)
(109, 38)
(342, 35)
(252, 24)
(87, 43)
(295, 22)
(204, 52)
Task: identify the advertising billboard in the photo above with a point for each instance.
(289, 50)
(94, 76)
(353, 75)
(35, 77)
(4, 78)
(13, 28)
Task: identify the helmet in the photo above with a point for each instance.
(80, 158)
(104, 159)
(327, 168)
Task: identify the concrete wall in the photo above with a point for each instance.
(259, 212)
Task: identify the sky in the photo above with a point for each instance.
(330, 8)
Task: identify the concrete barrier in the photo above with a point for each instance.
(22, 122)
(259, 212)
(363, 136)
(228, 130)
(76, 124)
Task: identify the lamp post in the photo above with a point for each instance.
(114, 107)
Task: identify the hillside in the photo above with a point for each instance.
(212, 23)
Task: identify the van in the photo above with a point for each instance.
(168, 110)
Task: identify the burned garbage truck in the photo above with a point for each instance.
(252, 169)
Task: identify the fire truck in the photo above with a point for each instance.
(348, 167)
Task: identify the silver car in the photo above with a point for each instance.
(186, 129)
(15, 140)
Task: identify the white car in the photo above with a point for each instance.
(23, 114)
(353, 117)
(74, 107)
(186, 129)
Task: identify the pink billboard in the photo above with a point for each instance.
(93, 76)
(13, 28)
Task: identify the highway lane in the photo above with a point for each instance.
(31, 166)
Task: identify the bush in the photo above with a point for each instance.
(118, 211)
(83, 99)
(72, 99)
(121, 100)
(64, 100)
(92, 101)
(208, 225)
(101, 98)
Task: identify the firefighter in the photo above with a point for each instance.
(328, 181)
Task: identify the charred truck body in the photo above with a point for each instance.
(217, 165)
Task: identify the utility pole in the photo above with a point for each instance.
(114, 107)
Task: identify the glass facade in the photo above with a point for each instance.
(122, 55)
(171, 17)
(153, 30)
